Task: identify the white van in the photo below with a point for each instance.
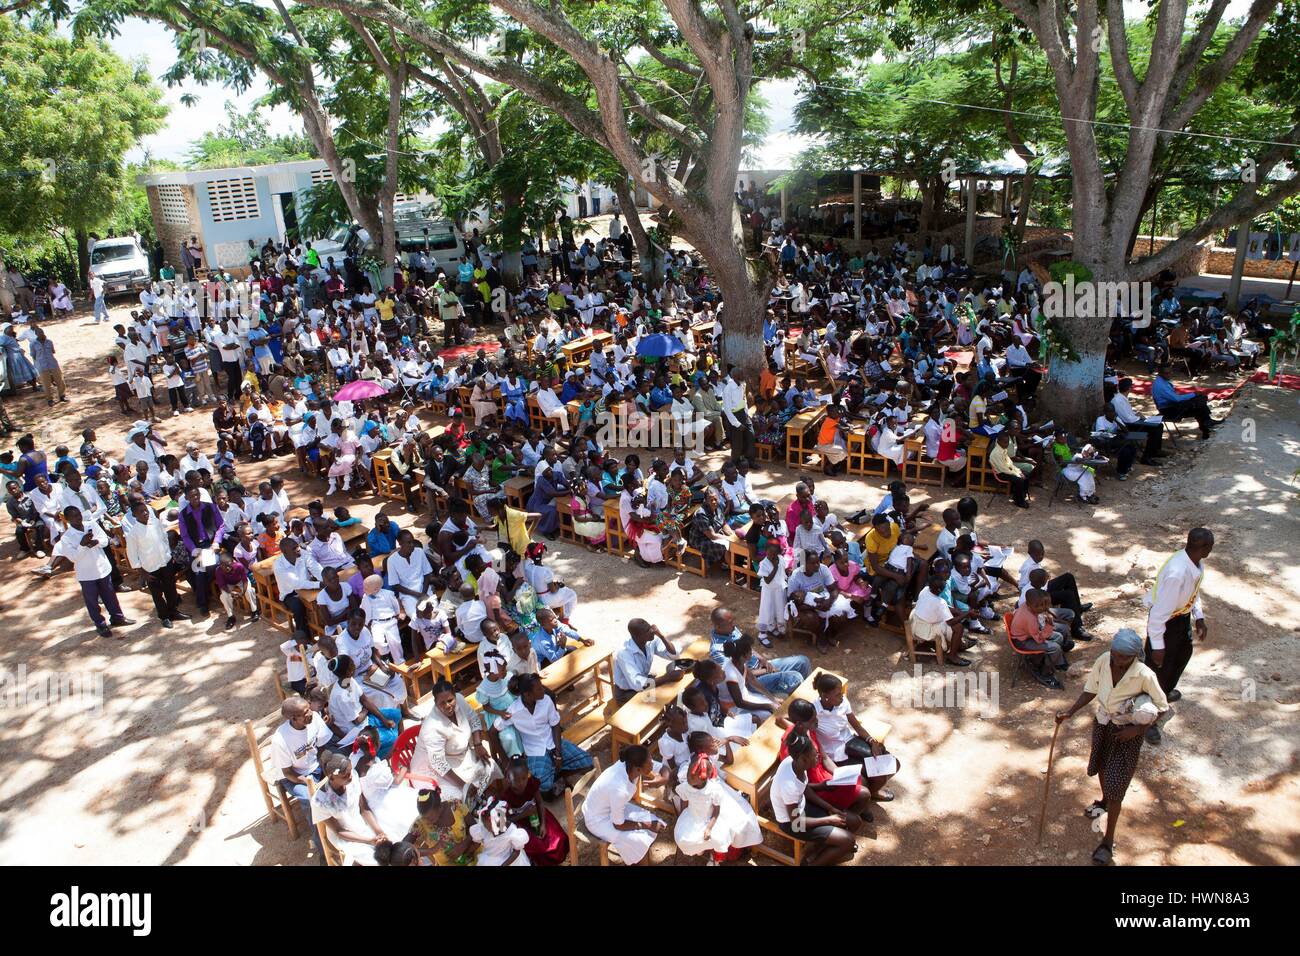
(417, 228)
(121, 263)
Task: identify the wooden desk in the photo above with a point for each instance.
(637, 720)
(864, 461)
(979, 476)
(587, 716)
(517, 490)
(753, 764)
(801, 435)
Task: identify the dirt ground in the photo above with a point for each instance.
(161, 774)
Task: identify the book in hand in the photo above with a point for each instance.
(846, 776)
(998, 556)
(883, 766)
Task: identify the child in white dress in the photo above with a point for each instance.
(501, 843)
(715, 817)
(773, 612)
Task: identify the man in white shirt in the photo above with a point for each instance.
(295, 749)
(632, 661)
(194, 460)
(409, 573)
(1062, 589)
(295, 572)
(735, 417)
(74, 492)
(266, 502)
(148, 551)
(82, 548)
(1151, 428)
(552, 407)
(1176, 613)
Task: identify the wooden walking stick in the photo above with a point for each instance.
(1047, 784)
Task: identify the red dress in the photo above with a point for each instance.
(841, 797)
(551, 846)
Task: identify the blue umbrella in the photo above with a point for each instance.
(659, 346)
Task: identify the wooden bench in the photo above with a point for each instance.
(864, 461)
(754, 763)
(801, 436)
(766, 452)
(436, 663)
(587, 716)
(740, 563)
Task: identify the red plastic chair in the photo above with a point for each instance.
(1022, 656)
(403, 750)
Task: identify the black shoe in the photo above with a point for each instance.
(230, 622)
(104, 631)
(179, 615)
(1153, 736)
(1062, 667)
(121, 622)
(165, 623)
(1174, 695)
(1084, 636)
(1085, 608)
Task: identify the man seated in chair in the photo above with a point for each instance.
(1176, 406)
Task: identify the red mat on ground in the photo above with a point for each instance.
(454, 353)
(1283, 381)
(1142, 386)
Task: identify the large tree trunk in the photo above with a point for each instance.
(83, 261)
(1073, 396)
(632, 222)
(745, 285)
(933, 189)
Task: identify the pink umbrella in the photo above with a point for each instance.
(359, 390)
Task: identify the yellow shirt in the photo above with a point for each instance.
(880, 545)
(515, 532)
(385, 308)
(1112, 698)
(976, 409)
(1000, 461)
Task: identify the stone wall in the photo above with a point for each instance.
(1217, 260)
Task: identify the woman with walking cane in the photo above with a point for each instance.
(1129, 700)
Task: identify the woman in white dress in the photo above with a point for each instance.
(610, 812)
(713, 819)
(501, 843)
(350, 824)
(451, 749)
